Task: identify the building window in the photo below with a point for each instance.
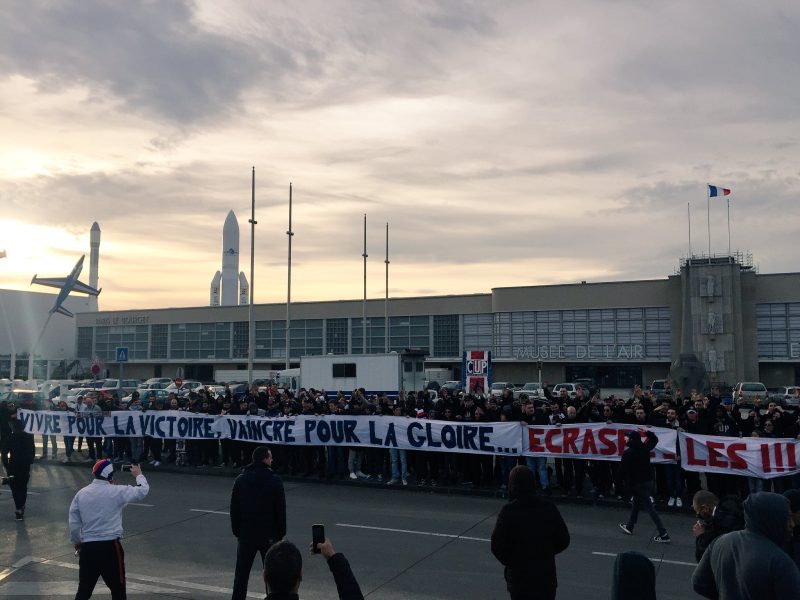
(778, 331)
(200, 341)
(132, 337)
(376, 342)
(85, 340)
(241, 339)
(445, 336)
(343, 370)
(479, 332)
(158, 341)
(336, 336)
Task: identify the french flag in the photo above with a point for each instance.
(714, 191)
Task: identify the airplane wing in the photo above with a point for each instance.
(56, 282)
(62, 310)
(82, 288)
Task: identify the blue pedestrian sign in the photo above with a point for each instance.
(122, 355)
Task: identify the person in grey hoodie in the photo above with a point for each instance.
(753, 563)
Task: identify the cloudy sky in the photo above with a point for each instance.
(511, 143)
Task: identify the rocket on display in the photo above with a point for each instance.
(229, 286)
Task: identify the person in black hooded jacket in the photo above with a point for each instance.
(528, 534)
(638, 475)
(752, 563)
(258, 515)
(714, 518)
(23, 454)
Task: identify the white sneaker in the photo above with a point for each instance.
(671, 501)
(353, 476)
(361, 475)
(405, 482)
(678, 502)
(156, 463)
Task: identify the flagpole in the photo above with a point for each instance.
(251, 333)
(364, 304)
(386, 300)
(708, 218)
(289, 234)
(689, 214)
(728, 200)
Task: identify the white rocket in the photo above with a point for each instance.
(229, 286)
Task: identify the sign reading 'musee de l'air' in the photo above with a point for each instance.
(580, 352)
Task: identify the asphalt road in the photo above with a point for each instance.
(402, 544)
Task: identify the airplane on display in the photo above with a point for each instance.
(67, 284)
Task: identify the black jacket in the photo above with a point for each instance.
(635, 464)
(528, 534)
(748, 564)
(258, 505)
(727, 517)
(23, 451)
(346, 584)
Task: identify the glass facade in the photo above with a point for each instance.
(158, 341)
(614, 334)
(200, 340)
(336, 336)
(592, 334)
(241, 339)
(109, 338)
(271, 339)
(445, 336)
(85, 341)
(478, 332)
(778, 331)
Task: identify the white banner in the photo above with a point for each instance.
(594, 441)
(753, 457)
(383, 432)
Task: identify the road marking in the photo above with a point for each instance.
(159, 580)
(411, 531)
(16, 566)
(140, 504)
(50, 589)
(210, 512)
(661, 560)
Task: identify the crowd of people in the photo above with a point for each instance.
(691, 412)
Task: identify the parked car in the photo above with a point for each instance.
(119, 387)
(71, 396)
(748, 390)
(659, 388)
(185, 388)
(531, 390)
(790, 395)
(164, 380)
(589, 386)
(498, 387)
(29, 399)
(570, 387)
(452, 387)
(160, 394)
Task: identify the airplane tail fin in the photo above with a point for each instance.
(63, 311)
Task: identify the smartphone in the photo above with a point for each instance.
(126, 467)
(317, 536)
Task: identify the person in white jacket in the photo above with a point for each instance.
(95, 528)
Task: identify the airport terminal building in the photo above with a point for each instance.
(745, 326)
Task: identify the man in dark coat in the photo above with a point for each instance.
(714, 518)
(258, 515)
(23, 453)
(638, 475)
(752, 563)
(528, 534)
(794, 506)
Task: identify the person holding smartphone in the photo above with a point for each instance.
(283, 569)
(95, 528)
(258, 515)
